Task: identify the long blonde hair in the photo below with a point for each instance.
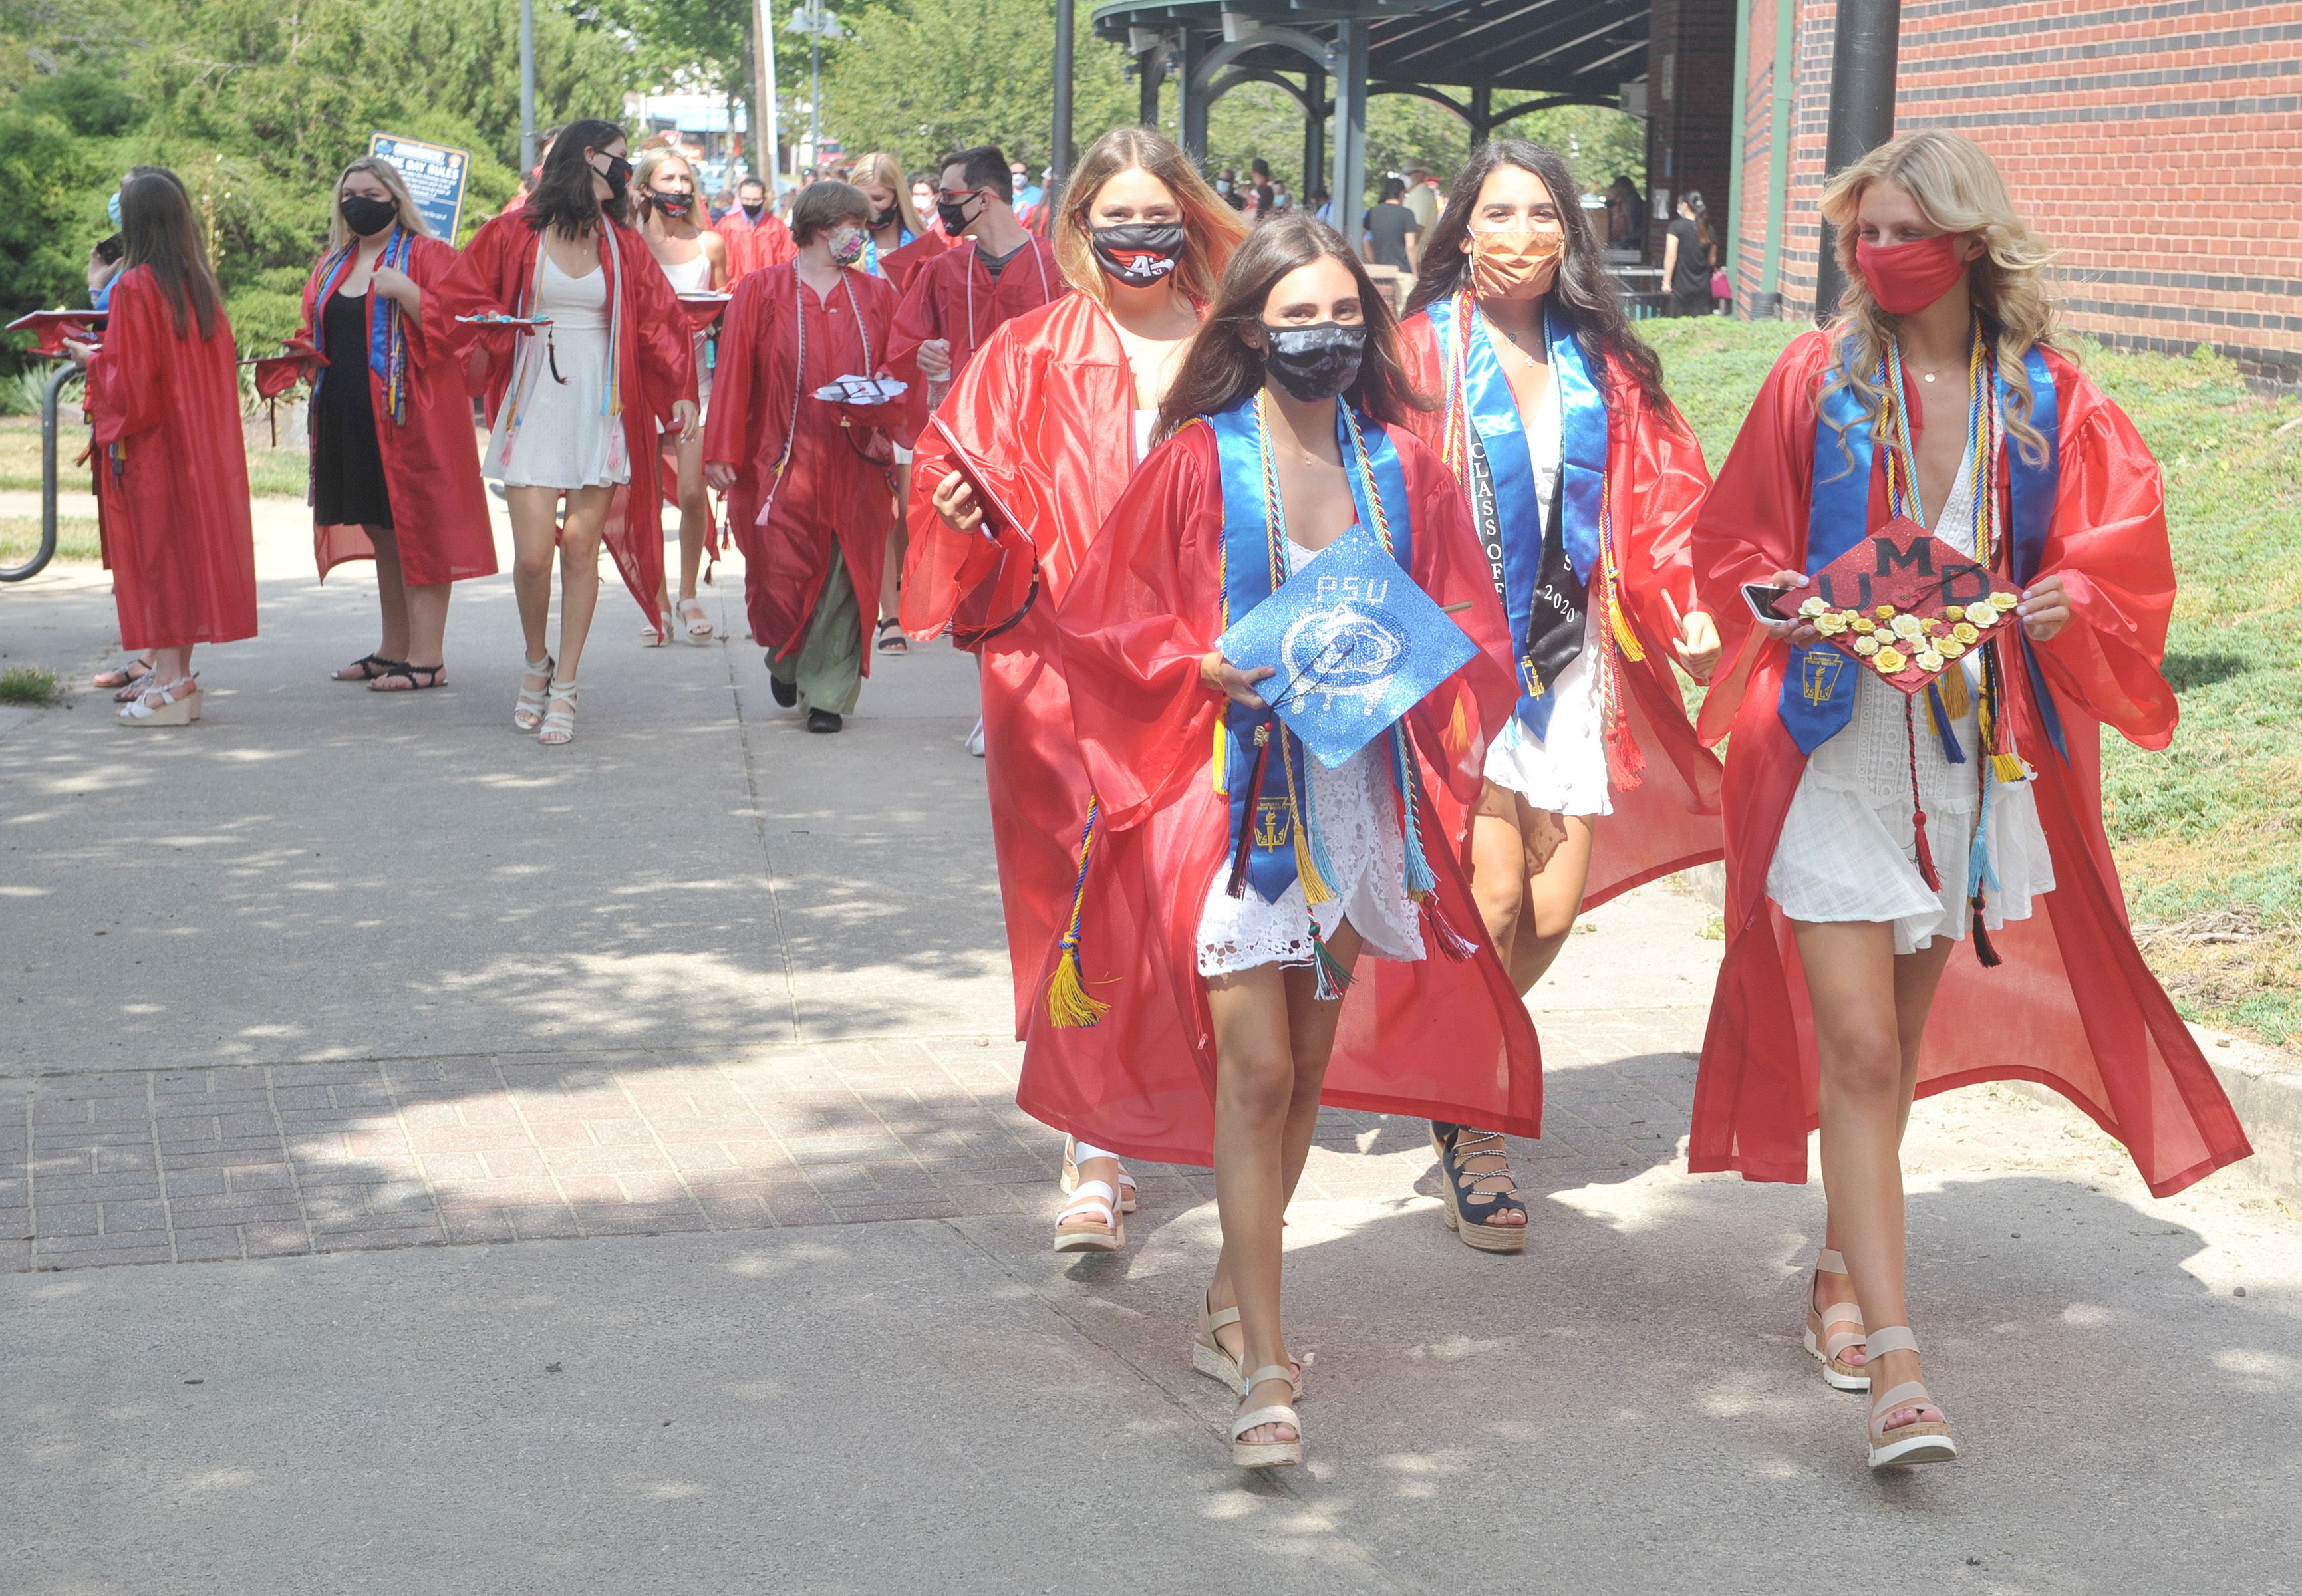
(881, 168)
(653, 159)
(1212, 229)
(1957, 189)
(340, 234)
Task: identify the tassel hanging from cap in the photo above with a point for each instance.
(1925, 853)
(1984, 952)
(1938, 716)
(1451, 942)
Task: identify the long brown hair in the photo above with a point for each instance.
(157, 230)
(1212, 229)
(563, 200)
(1584, 294)
(1221, 367)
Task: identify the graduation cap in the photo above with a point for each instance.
(1904, 604)
(1355, 644)
(49, 327)
(702, 309)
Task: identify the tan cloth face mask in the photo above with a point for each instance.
(1517, 263)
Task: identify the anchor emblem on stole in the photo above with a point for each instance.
(1819, 680)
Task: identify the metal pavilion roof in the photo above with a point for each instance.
(1580, 49)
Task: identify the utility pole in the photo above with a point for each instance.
(526, 86)
(1060, 157)
(809, 17)
(1864, 50)
(766, 123)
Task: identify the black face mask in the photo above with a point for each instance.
(674, 206)
(367, 216)
(751, 212)
(618, 176)
(953, 213)
(1317, 362)
(1139, 253)
(883, 220)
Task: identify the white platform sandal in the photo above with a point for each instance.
(527, 714)
(176, 703)
(1069, 1181)
(1266, 1454)
(1830, 1346)
(1209, 1359)
(1105, 1230)
(558, 728)
(1924, 1440)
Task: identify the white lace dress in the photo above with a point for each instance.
(1565, 771)
(1358, 822)
(1848, 850)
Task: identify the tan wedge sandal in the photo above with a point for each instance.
(1830, 1345)
(1069, 1181)
(1266, 1454)
(1209, 1359)
(1101, 1230)
(1923, 1440)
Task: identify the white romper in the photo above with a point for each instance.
(1847, 850)
(1358, 822)
(1566, 771)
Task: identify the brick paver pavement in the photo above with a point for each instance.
(257, 1161)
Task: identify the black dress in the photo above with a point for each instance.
(348, 485)
(1690, 281)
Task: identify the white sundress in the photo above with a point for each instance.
(1359, 821)
(564, 441)
(694, 277)
(1848, 849)
(1566, 771)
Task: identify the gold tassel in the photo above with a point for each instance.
(1315, 889)
(1626, 639)
(1069, 1005)
(1954, 693)
(2006, 767)
(1222, 757)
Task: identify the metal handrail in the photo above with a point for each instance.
(46, 551)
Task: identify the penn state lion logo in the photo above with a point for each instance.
(1343, 651)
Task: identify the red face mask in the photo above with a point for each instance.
(1907, 278)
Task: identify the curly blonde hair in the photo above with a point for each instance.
(1957, 189)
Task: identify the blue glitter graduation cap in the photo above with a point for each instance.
(1356, 644)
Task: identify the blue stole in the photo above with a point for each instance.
(872, 249)
(1248, 560)
(1817, 693)
(387, 350)
(1498, 447)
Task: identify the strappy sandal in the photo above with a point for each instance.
(897, 645)
(405, 672)
(652, 638)
(1471, 1201)
(1069, 1181)
(1922, 1441)
(1829, 1346)
(1266, 1454)
(365, 669)
(179, 704)
(1105, 1230)
(559, 716)
(125, 676)
(1209, 1359)
(527, 714)
(695, 620)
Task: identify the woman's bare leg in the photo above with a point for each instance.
(534, 540)
(1554, 897)
(695, 515)
(390, 592)
(579, 572)
(899, 538)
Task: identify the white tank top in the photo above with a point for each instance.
(689, 276)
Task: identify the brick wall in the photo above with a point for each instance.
(1690, 68)
(2157, 147)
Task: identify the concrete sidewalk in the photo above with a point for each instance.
(638, 1118)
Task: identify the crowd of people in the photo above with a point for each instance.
(1113, 436)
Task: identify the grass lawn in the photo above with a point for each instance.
(76, 545)
(272, 473)
(2208, 833)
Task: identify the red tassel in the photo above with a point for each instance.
(1927, 872)
(1626, 764)
(1983, 949)
(1237, 886)
(1451, 942)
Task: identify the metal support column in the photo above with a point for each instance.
(1059, 154)
(1191, 97)
(1314, 131)
(1482, 113)
(1782, 90)
(1350, 127)
(527, 86)
(1863, 51)
(1739, 105)
(1150, 71)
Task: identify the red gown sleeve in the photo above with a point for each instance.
(666, 349)
(473, 286)
(1142, 611)
(1752, 522)
(1663, 488)
(730, 428)
(429, 265)
(2108, 542)
(941, 567)
(918, 319)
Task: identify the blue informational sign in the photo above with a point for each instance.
(1356, 642)
(435, 176)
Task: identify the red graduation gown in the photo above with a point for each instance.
(899, 266)
(753, 245)
(829, 496)
(176, 528)
(431, 460)
(953, 297)
(1440, 1038)
(2073, 1007)
(1656, 479)
(655, 366)
(1047, 412)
